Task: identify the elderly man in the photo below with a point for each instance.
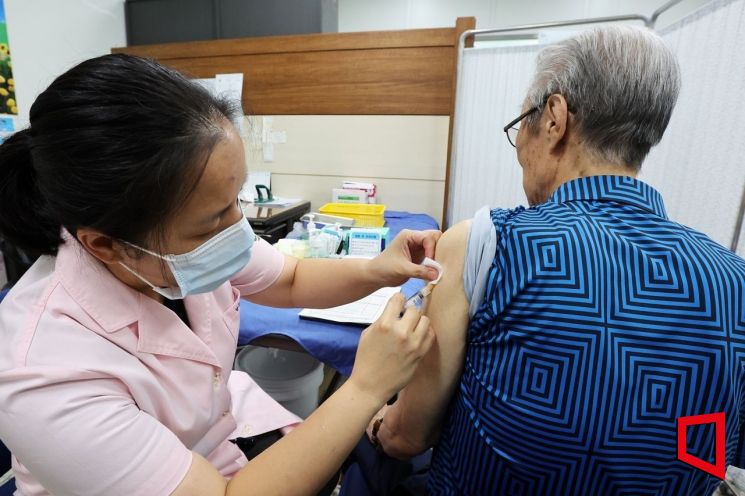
(574, 333)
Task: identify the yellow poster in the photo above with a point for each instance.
(7, 84)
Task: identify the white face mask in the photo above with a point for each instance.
(209, 265)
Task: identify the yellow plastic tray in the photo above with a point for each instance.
(364, 214)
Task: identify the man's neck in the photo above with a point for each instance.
(585, 165)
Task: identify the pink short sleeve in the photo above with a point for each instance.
(80, 433)
(262, 270)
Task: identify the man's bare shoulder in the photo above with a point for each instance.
(452, 245)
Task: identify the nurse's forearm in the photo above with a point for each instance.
(323, 283)
(320, 283)
(299, 463)
(304, 460)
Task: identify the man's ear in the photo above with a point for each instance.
(99, 245)
(556, 120)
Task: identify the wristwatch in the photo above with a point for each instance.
(374, 435)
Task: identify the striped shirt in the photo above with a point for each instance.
(602, 323)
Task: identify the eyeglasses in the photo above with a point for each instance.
(511, 131)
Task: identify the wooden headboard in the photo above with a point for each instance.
(408, 72)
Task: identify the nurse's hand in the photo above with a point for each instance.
(400, 261)
(390, 350)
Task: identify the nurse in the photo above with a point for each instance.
(117, 345)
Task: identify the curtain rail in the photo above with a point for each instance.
(648, 21)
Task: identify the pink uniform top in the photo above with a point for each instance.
(104, 391)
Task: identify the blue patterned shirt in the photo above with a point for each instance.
(602, 323)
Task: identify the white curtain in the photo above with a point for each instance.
(699, 166)
(484, 169)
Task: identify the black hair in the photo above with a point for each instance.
(117, 144)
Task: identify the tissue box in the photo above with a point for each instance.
(370, 188)
(343, 195)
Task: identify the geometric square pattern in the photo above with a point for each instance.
(602, 323)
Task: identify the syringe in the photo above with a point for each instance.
(417, 298)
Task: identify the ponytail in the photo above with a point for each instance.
(24, 216)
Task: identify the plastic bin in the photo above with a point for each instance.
(364, 214)
(289, 377)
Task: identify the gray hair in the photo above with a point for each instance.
(621, 83)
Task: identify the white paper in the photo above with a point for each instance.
(278, 137)
(266, 128)
(230, 85)
(209, 84)
(364, 311)
(268, 150)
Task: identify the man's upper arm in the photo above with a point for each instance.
(412, 424)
